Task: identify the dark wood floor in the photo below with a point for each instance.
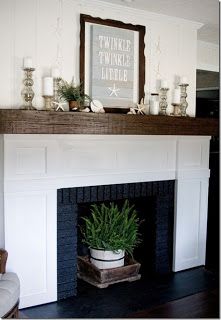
(187, 294)
(201, 305)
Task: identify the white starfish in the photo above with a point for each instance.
(59, 106)
(140, 109)
(157, 70)
(113, 90)
(158, 49)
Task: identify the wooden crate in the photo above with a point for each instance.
(102, 278)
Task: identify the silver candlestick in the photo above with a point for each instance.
(176, 109)
(183, 96)
(163, 101)
(27, 92)
(48, 103)
(55, 88)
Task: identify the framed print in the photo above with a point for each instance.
(112, 63)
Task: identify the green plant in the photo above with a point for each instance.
(111, 228)
(72, 92)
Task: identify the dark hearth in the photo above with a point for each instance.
(154, 202)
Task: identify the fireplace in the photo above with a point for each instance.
(154, 202)
(40, 170)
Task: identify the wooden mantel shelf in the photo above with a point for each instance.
(44, 122)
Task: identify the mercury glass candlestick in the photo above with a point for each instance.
(27, 92)
(176, 109)
(163, 101)
(55, 91)
(183, 96)
(48, 103)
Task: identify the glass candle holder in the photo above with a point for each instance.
(163, 101)
(48, 103)
(27, 92)
(183, 96)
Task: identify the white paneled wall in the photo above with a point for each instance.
(2, 238)
(207, 56)
(28, 27)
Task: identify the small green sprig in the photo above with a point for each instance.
(71, 92)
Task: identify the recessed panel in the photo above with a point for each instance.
(27, 213)
(30, 160)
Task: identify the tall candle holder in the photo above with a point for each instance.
(55, 91)
(48, 103)
(183, 96)
(27, 92)
(163, 101)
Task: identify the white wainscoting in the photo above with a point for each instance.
(2, 239)
(37, 165)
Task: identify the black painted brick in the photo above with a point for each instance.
(100, 193)
(107, 193)
(80, 195)
(59, 196)
(119, 191)
(131, 191)
(70, 263)
(159, 220)
(113, 192)
(73, 195)
(67, 293)
(67, 276)
(87, 194)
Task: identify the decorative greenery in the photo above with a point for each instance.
(111, 228)
(71, 92)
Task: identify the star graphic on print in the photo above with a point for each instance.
(113, 90)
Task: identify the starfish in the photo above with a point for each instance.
(113, 90)
(158, 49)
(140, 107)
(59, 106)
(157, 70)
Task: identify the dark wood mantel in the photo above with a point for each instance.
(50, 122)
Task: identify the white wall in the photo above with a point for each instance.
(28, 27)
(2, 237)
(207, 56)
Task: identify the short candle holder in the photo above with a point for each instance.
(183, 96)
(176, 109)
(27, 92)
(163, 101)
(48, 103)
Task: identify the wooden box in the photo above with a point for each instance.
(102, 278)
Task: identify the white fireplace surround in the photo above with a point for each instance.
(33, 167)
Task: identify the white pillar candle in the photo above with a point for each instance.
(48, 86)
(154, 107)
(55, 72)
(27, 62)
(164, 84)
(183, 80)
(176, 96)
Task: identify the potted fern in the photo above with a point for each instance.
(110, 232)
(73, 94)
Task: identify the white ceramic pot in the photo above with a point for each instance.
(103, 259)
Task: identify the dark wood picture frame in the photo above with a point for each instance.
(113, 23)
